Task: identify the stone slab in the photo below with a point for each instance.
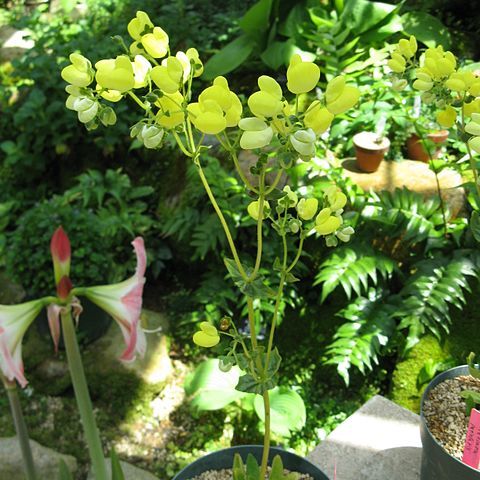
(46, 460)
(412, 174)
(380, 441)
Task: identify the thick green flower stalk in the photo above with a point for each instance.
(274, 126)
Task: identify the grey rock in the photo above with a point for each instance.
(129, 471)
(46, 460)
(381, 440)
(155, 367)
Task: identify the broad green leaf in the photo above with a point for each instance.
(257, 18)
(210, 388)
(426, 28)
(253, 470)
(278, 54)
(362, 15)
(475, 225)
(288, 412)
(229, 57)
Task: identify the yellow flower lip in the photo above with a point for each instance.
(307, 208)
(207, 336)
(302, 77)
(115, 74)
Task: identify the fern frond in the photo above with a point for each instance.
(359, 341)
(406, 213)
(353, 269)
(429, 293)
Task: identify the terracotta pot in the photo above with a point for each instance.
(416, 151)
(370, 150)
(437, 463)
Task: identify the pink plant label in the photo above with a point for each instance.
(471, 451)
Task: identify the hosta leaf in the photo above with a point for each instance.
(288, 412)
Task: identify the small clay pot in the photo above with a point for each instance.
(415, 148)
(370, 150)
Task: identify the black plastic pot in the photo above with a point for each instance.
(437, 464)
(224, 459)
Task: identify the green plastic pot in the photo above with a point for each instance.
(224, 459)
(437, 464)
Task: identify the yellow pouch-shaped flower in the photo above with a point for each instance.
(257, 134)
(254, 209)
(473, 127)
(474, 89)
(471, 107)
(408, 48)
(80, 72)
(170, 112)
(189, 60)
(326, 223)
(169, 75)
(336, 198)
(475, 144)
(156, 43)
(307, 208)
(137, 25)
(141, 68)
(340, 97)
(115, 74)
(110, 95)
(446, 118)
(207, 116)
(207, 336)
(302, 76)
(318, 118)
(397, 63)
(268, 101)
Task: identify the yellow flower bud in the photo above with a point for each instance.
(326, 223)
(405, 48)
(268, 101)
(110, 95)
(474, 89)
(80, 72)
(207, 336)
(156, 43)
(257, 133)
(307, 208)
(86, 108)
(456, 83)
(115, 74)
(397, 63)
(303, 141)
(446, 118)
(474, 144)
(318, 118)
(302, 76)
(137, 25)
(170, 112)
(292, 196)
(189, 60)
(169, 75)
(254, 209)
(422, 85)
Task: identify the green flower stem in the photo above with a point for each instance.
(297, 257)
(251, 323)
(261, 203)
(275, 182)
(434, 168)
(266, 437)
(83, 398)
(21, 429)
(222, 219)
(137, 100)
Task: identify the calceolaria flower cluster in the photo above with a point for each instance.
(454, 91)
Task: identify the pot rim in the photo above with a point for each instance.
(441, 377)
(274, 449)
(366, 141)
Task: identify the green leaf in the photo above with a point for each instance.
(229, 57)
(475, 225)
(238, 468)
(117, 473)
(362, 15)
(257, 18)
(472, 368)
(278, 54)
(426, 28)
(287, 410)
(64, 472)
(211, 389)
(253, 470)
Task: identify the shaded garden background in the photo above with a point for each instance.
(372, 327)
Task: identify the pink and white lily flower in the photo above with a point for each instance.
(14, 322)
(123, 301)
